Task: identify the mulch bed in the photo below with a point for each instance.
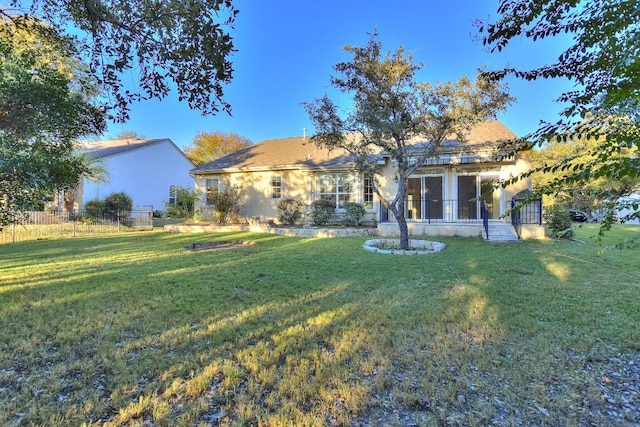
(218, 246)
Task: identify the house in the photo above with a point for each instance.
(446, 195)
(148, 170)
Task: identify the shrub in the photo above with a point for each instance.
(322, 211)
(558, 219)
(184, 205)
(115, 204)
(227, 202)
(353, 213)
(95, 207)
(290, 211)
(119, 201)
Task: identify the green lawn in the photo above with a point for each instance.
(132, 329)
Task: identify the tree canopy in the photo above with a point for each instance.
(42, 111)
(604, 64)
(209, 146)
(391, 109)
(586, 195)
(185, 43)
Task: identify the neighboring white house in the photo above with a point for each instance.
(148, 170)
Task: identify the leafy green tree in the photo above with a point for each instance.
(209, 146)
(604, 64)
(181, 43)
(43, 109)
(95, 171)
(586, 195)
(391, 109)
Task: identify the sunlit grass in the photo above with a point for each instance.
(133, 329)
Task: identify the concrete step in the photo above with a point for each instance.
(501, 232)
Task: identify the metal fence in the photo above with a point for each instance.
(45, 225)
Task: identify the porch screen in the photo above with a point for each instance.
(467, 191)
(433, 197)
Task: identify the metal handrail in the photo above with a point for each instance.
(485, 218)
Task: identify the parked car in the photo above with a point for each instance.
(578, 216)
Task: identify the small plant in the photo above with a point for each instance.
(290, 211)
(558, 219)
(227, 202)
(322, 211)
(353, 213)
(184, 204)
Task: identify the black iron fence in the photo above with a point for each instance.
(525, 212)
(44, 225)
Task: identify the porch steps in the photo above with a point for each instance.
(501, 232)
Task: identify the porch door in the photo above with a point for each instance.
(434, 204)
(467, 192)
(492, 198)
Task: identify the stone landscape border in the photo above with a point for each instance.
(420, 247)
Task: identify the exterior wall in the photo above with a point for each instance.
(296, 184)
(257, 202)
(302, 185)
(144, 173)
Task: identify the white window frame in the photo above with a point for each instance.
(368, 194)
(335, 193)
(276, 179)
(209, 187)
(173, 194)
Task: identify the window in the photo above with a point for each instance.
(338, 188)
(367, 194)
(276, 186)
(212, 186)
(173, 193)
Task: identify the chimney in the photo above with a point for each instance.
(304, 134)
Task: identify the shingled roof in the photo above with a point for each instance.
(301, 153)
(279, 154)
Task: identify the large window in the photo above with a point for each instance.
(338, 188)
(212, 186)
(276, 186)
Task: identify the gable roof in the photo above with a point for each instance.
(301, 153)
(107, 148)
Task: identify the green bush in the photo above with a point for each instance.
(558, 220)
(119, 201)
(322, 211)
(95, 207)
(353, 213)
(290, 211)
(184, 205)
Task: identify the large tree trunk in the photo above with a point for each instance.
(399, 210)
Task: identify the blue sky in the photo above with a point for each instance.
(286, 50)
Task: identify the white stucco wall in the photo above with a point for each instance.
(144, 173)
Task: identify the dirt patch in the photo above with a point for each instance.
(218, 246)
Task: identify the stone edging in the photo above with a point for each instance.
(424, 247)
